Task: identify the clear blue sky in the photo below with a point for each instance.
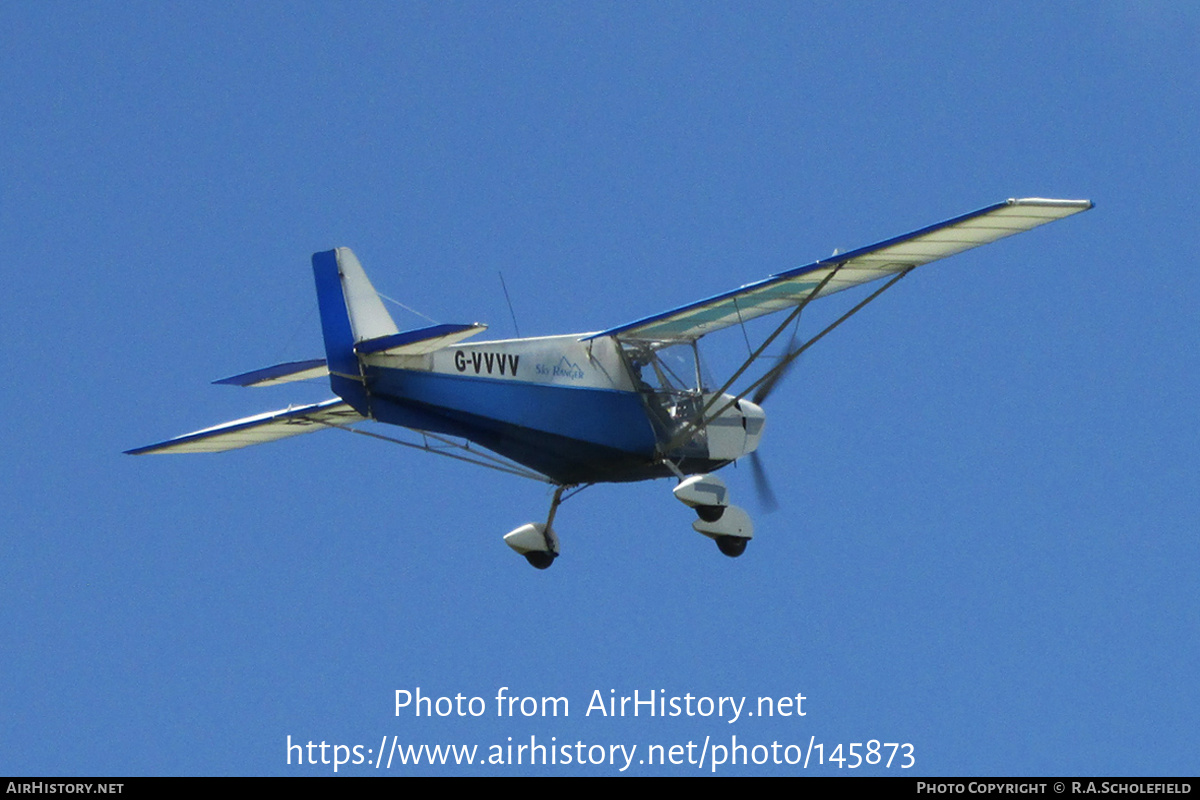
(986, 544)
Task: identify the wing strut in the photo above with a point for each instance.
(775, 334)
(772, 373)
(475, 457)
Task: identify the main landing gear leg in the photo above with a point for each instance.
(543, 559)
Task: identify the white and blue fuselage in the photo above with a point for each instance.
(570, 407)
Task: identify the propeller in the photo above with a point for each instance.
(769, 385)
(766, 496)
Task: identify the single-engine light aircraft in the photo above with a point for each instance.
(625, 404)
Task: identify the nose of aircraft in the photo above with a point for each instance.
(754, 419)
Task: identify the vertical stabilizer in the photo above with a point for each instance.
(368, 318)
(351, 312)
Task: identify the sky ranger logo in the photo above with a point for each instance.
(486, 362)
(563, 369)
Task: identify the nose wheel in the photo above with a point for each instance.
(732, 546)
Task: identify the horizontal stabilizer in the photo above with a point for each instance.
(258, 429)
(419, 342)
(280, 373)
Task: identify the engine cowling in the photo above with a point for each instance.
(736, 431)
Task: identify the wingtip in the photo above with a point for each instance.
(1082, 205)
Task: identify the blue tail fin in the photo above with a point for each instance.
(351, 312)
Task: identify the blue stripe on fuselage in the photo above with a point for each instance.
(569, 433)
(599, 416)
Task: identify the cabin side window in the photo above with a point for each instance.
(672, 382)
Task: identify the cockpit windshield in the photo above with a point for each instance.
(672, 380)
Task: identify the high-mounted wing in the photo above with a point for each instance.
(258, 429)
(856, 267)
